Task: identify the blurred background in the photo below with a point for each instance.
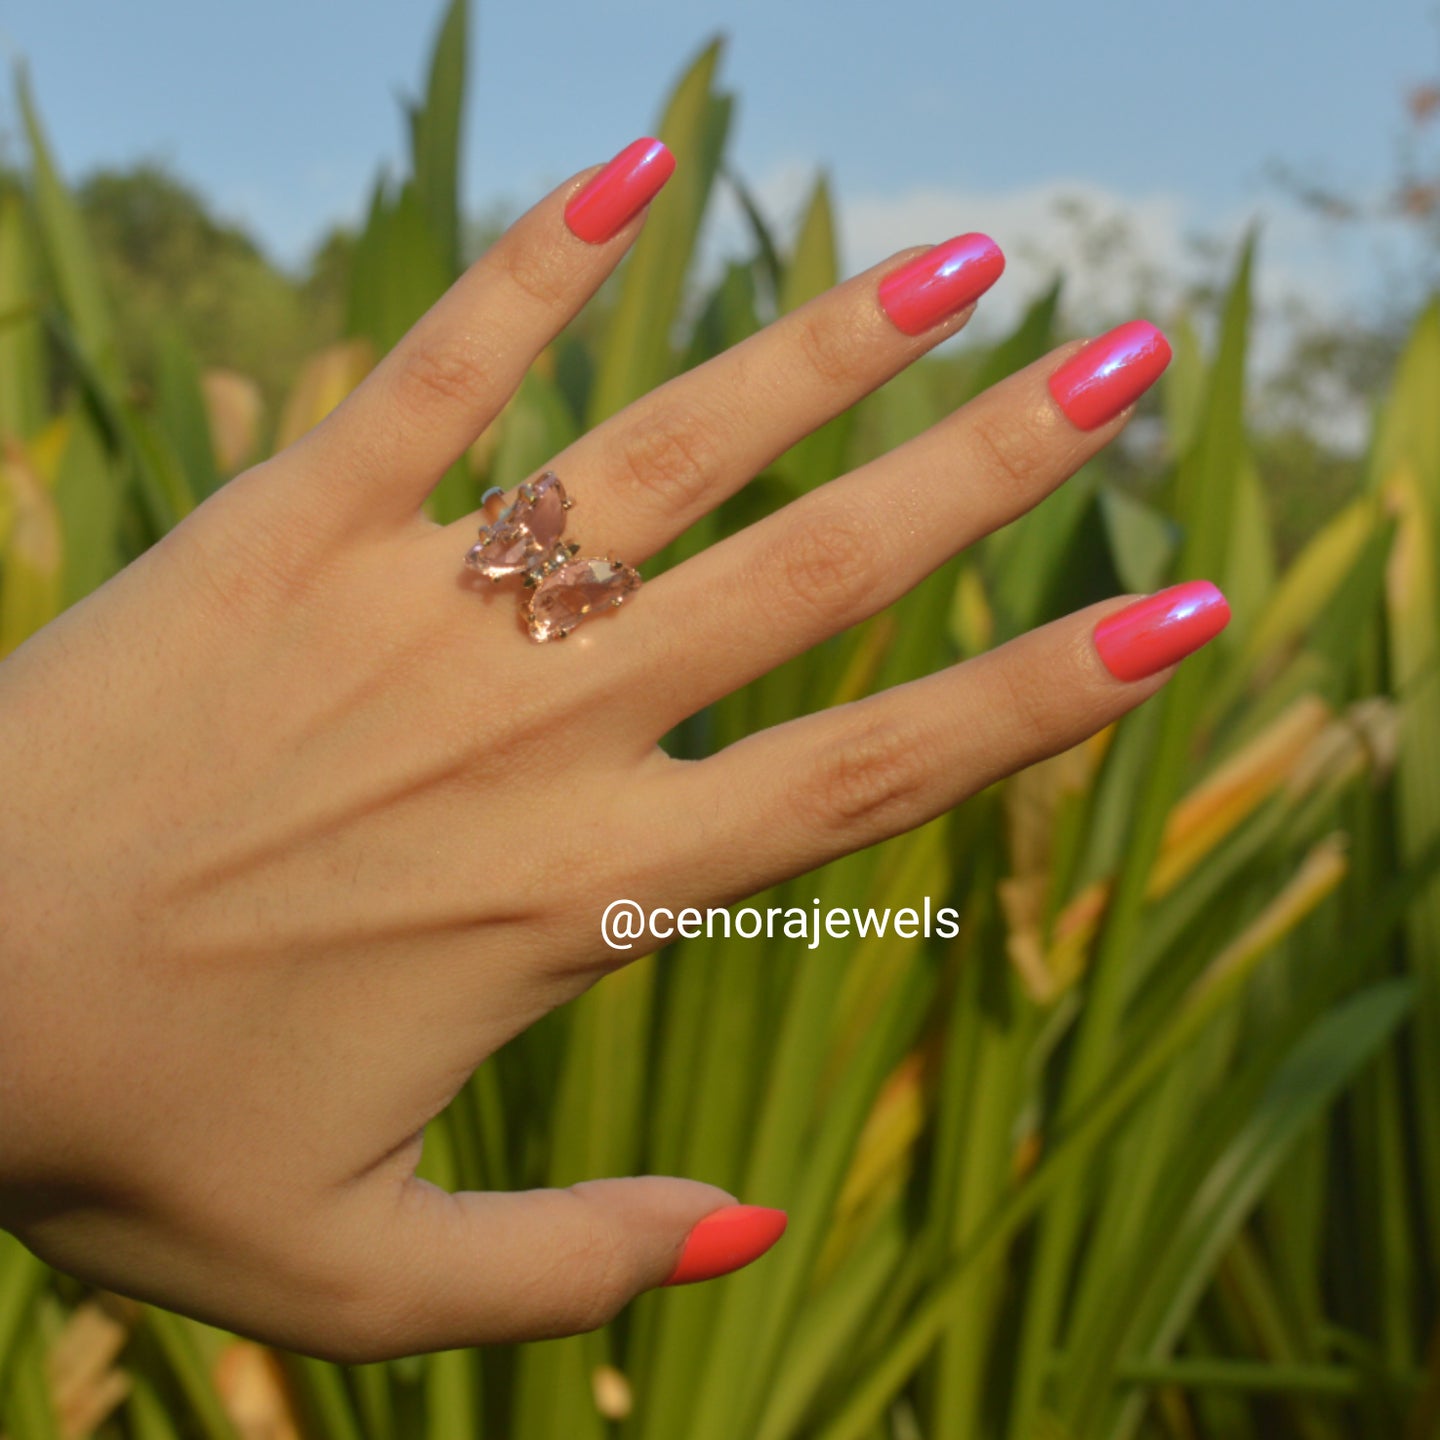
(1151, 1151)
(1125, 144)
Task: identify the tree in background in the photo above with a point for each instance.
(169, 263)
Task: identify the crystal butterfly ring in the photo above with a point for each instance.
(524, 539)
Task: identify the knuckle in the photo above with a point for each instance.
(534, 272)
(1029, 709)
(831, 349)
(875, 780)
(602, 1299)
(827, 566)
(445, 373)
(593, 1249)
(1007, 450)
(675, 458)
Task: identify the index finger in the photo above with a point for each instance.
(387, 446)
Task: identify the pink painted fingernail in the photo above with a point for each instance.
(1160, 629)
(943, 280)
(726, 1240)
(620, 191)
(1097, 383)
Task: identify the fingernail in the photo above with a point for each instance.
(620, 191)
(1097, 383)
(943, 280)
(726, 1240)
(1161, 629)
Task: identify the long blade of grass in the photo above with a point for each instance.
(181, 413)
(1406, 471)
(814, 268)
(1204, 490)
(23, 367)
(637, 353)
(177, 1339)
(22, 1277)
(26, 1405)
(435, 133)
(89, 501)
(596, 1131)
(1095, 1122)
(67, 248)
(1304, 1086)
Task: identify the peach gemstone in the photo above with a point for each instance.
(524, 534)
(575, 591)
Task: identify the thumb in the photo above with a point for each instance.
(442, 1271)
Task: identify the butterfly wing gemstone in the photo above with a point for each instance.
(524, 539)
(573, 592)
(526, 536)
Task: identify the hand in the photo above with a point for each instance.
(274, 882)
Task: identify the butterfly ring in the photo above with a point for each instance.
(524, 539)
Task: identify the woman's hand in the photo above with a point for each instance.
(300, 826)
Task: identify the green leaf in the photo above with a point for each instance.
(179, 1340)
(67, 247)
(29, 1405)
(1204, 504)
(88, 497)
(596, 1131)
(1182, 389)
(636, 353)
(730, 315)
(1249, 572)
(1069, 1168)
(1031, 558)
(1408, 432)
(760, 1306)
(23, 369)
(1308, 1081)
(814, 269)
(767, 258)
(537, 426)
(1033, 337)
(22, 1276)
(161, 484)
(1207, 479)
(399, 268)
(181, 415)
(435, 134)
(1142, 540)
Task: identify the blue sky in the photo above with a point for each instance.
(929, 118)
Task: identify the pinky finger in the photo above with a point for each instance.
(833, 783)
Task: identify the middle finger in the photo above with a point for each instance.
(650, 471)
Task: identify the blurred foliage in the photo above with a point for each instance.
(168, 264)
(1150, 1149)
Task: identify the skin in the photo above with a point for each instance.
(265, 792)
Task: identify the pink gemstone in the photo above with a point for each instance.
(524, 533)
(574, 592)
(545, 515)
(505, 551)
